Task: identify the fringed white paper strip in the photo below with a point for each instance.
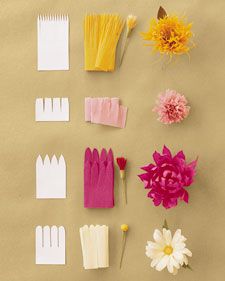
(53, 42)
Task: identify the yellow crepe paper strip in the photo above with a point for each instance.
(101, 35)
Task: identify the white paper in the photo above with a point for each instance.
(53, 42)
(50, 245)
(50, 177)
(52, 109)
(95, 248)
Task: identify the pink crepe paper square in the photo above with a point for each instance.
(105, 111)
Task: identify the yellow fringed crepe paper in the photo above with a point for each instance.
(101, 35)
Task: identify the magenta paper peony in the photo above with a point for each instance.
(171, 107)
(168, 177)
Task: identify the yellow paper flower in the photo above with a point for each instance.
(170, 35)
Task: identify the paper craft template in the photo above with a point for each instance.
(52, 109)
(95, 246)
(105, 111)
(53, 42)
(50, 177)
(98, 179)
(50, 245)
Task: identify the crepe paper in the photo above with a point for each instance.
(124, 228)
(101, 35)
(95, 246)
(53, 42)
(50, 245)
(168, 177)
(171, 107)
(98, 179)
(169, 34)
(50, 177)
(105, 111)
(171, 251)
(121, 161)
(131, 23)
(52, 109)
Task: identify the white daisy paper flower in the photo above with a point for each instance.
(168, 251)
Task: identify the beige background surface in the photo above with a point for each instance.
(137, 83)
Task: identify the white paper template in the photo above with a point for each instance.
(53, 42)
(95, 246)
(50, 245)
(50, 177)
(52, 109)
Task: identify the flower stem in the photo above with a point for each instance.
(124, 49)
(123, 248)
(124, 191)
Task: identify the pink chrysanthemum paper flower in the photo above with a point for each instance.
(168, 177)
(171, 107)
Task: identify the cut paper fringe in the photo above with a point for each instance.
(105, 111)
(101, 35)
(98, 179)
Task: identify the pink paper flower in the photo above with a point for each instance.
(171, 107)
(168, 177)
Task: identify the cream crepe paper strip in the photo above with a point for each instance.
(95, 248)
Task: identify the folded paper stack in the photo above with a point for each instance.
(105, 111)
(98, 179)
(95, 246)
(101, 35)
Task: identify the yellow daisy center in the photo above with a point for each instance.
(168, 250)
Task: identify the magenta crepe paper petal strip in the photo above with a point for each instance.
(98, 179)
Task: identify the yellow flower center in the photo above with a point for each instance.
(168, 250)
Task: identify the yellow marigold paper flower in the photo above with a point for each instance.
(124, 228)
(170, 35)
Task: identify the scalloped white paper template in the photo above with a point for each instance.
(50, 177)
(52, 109)
(53, 42)
(50, 245)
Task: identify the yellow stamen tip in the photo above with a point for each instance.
(168, 250)
(124, 227)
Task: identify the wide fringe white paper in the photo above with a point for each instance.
(50, 245)
(52, 109)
